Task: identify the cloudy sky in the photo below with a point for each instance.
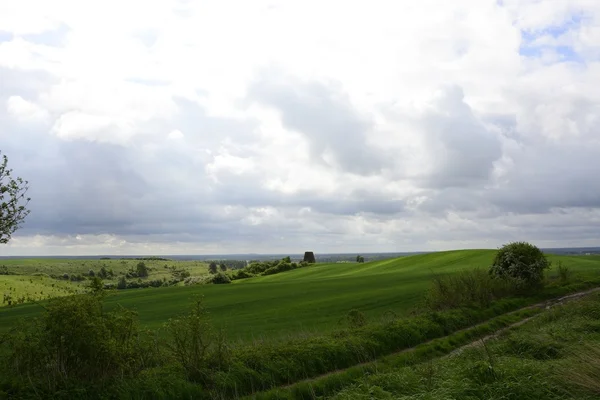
(203, 127)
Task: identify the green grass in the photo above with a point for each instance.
(306, 300)
(543, 359)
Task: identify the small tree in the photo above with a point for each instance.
(142, 270)
(122, 284)
(12, 202)
(360, 259)
(522, 261)
(212, 267)
(223, 267)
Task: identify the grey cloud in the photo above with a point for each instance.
(325, 116)
(463, 150)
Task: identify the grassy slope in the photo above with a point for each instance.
(310, 299)
(543, 359)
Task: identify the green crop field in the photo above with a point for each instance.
(311, 299)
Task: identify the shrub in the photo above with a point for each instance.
(356, 319)
(564, 272)
(522, 261)
(122, 284)
(75, 342)
(241, 274)
(221, 278)
(141, 270)
(195, 345)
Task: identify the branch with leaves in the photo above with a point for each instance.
(13, 201)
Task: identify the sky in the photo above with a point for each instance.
(266, 126)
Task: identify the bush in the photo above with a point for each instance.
(522, 261)
(122, 284)
(195, 345)
(221, 278)
(564, 272)
(75, 342)
(142, 269)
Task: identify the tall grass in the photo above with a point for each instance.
(584, 374)
(469, 288)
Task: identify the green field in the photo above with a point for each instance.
(305, 300)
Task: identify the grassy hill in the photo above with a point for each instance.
(304, 300)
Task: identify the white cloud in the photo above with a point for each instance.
(26, 111)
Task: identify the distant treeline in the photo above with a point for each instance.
(230, 264)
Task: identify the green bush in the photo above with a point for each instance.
(195, 345)
(142, 270)
(220, 278)
(522, 261)
(76, 342)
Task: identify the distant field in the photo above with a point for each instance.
(308, 299)
(32, 281)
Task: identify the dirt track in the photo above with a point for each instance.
(478, 342)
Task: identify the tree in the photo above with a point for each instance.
(360, 259)
(223, 267)
(522, 261)
(13, 202)
(142, 270)
(212, 267)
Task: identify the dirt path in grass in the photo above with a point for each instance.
(547, 304)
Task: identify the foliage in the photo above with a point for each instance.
(229, 264)
(76, 341)
(520, 260)
(269, 267)
(122, 284)
(96, 286)
(468, 288)
(13, 202)
(142, 269)
(564, 272)
(195, 345)
(360, 259)
(221, 278)
(212, 267)
(223, 267)
(356, 319)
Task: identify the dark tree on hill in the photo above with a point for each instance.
(212, 268)
(12, 201)
(360, 259)
(142, 270)
(309, 257)
(223, 267)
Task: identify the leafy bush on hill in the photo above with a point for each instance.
(522, 261)
(220, 278)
